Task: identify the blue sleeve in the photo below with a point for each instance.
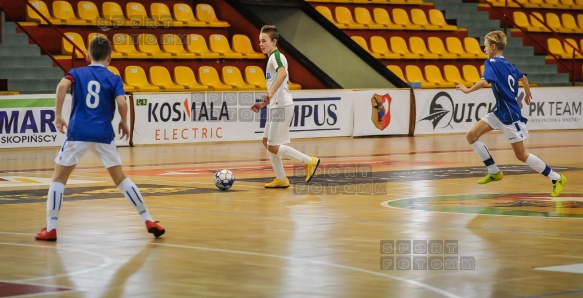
(118, 88)
(488, 74)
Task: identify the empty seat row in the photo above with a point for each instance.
(419, 49)
(565, 24)
(134, 14)
(548, 4)
(191, 46)
(565, 49)
(397, 2)
(380, 19)
(159, 79)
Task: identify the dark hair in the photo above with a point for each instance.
(99, 48)
(270, 30)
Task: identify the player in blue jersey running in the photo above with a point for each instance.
(280, 106)
(507, 116)
(95, 91)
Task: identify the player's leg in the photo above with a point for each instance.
(473, 137)
(280, 135)
(112, 161)
(65, 162)
(280, 180)
(541, 167)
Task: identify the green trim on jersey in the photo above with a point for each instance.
(277, 54)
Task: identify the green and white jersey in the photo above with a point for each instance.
(282, 97)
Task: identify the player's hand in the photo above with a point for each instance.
(257, 106)
(61, 124)
(266, 99)
(527, 97)
(124, 130)
(462, 88)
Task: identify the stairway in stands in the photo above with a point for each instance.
(23, 65)
(479, 24)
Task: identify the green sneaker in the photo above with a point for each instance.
(491, 178)
(558, 186)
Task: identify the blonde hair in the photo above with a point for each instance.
(498, 38)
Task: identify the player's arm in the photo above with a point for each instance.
(281, 75)
(478, 85)
(60, 94)
(527, 95)
(122, 108)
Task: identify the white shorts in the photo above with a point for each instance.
(277, 126)
(515, 132)
(72, 151)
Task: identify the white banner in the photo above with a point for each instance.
(554, 108)
(28, 121)
(450, 110)
(381, 112)
(163, 118)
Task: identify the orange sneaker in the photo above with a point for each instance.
(154, 228)
(47, 236)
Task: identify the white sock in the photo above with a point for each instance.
(482, 151)
(540, 166)
(54, 202)
(277, 166)
(132, 193)
(291, 153)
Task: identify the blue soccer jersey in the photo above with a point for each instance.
(94, 91)
(504, 79)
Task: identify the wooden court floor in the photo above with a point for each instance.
(384, 217)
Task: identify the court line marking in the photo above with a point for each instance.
(400, 279)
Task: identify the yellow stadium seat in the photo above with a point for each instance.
(569, 4)
(183, 13)
(206, 13)
(220, 44)
(208, 76)
(418, 17)
(254, 75)
(435, 45)
(242, 44)
(31, 15)
(232, 76)
(556, 48)
(161, 14)
(185, 76)
(88, 11)
(344, 16)
(148, 43)
(534, 21)
(569, 22)
(433, 75)
(397, 71)
(554, 4)
(362, 43)
(160, 77)
(136, 76)
(124, 44)
(172, 43)
(362, 16)
(454, 45)
(67, 47)
(378, 45)
(126, 87)
(325, 11)
(554, 22)
(534, 3)
(114, 54)
(473, 46)
(381, 16)
(401, 17)
(197, 44)
(452, 74)
(64, 11)
(571, 45)
(293, 86)
(414, 75)
(417, 45)
(471, 73)
(136, 13)
(436, 18)
(399, 46)
(114, 15)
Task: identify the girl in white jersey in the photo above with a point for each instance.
(506, 117)
(280, 107)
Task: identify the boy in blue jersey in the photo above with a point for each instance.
(280, 107)
(95, 91)
(507, 116)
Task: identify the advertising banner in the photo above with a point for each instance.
(163, 118)
(381, 112)
(28, 121)
(554, 108)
